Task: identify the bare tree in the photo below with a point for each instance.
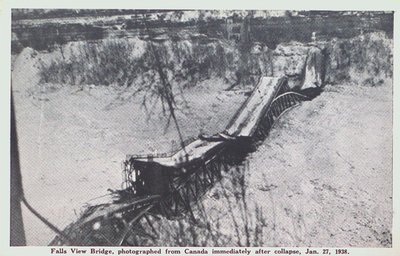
(164, 88)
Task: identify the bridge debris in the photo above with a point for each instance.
(168, 184)
(313, 69)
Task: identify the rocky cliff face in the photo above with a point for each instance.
(190, 59)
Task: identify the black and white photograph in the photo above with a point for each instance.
(197, 128)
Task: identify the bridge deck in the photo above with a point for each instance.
(243, 124)
(249, 114)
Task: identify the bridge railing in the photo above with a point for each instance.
(160, 155)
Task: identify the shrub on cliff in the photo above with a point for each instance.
(365, 60)
(126, 62)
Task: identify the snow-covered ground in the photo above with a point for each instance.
(328, 167)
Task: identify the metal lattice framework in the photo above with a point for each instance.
(279, 106)
(109, 224)
(130, 222)
(189, 189)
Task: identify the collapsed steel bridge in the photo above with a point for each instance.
(169, 184)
